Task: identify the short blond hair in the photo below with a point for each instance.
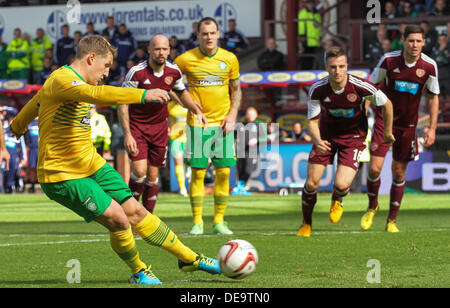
(94, 44)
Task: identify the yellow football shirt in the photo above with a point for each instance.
(208, 79)
(66, 151)
(177, 119)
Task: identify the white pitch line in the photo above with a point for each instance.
(103, 239)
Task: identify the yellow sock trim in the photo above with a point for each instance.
(197, 209)
(156, 233)
(123, 243)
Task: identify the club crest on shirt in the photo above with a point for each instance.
(168, 80)
(420, 72)
(352, 97)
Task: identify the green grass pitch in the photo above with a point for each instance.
(38, 237)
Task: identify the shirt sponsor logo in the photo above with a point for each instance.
(405, 86)
(211, 81)
(342, 112)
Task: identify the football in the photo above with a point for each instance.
(237, 259)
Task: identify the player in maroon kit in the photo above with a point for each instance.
(406, 74)
(145, 127)
(339, 102)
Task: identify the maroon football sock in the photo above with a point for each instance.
(136, 187)
(150, 195)
(309, 199)
(373, 186)
(397, 191)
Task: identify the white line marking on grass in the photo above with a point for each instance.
(103, 239)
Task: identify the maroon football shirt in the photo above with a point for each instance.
(142, 76)
(342, 113)
(404, 84)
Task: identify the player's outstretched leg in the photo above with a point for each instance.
(202, 263)
(156, 233)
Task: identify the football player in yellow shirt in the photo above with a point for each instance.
(177, 140)
(211, 72)
(72, 173)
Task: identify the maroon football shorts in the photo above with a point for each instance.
(348, 149)
(151, 140)
(405, 147)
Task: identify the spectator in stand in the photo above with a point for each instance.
(408, 10)
(271, 59)
(126, 45)
(273, 132)
(177, 45)
(309, 32)
(18, 60)
(111, 29)
(440, 8)
(298, 133)
(284, 135)
(441, 54)
(430, 37)
(419, 5)
(129, 65)
(38, 49)
(448, 32)
(17, 151)
(77, 35)
(376, 49)
(3, 60)
(173, 54)
(141, 55)
(389, 10)
(397, 41)
(90, 29)
(234, 40)
(46, 71)
(386, 45)
(192, 41)
(64, 46)
(319, 58)
(116, 74)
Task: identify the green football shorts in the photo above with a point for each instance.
(90, 197)
(177, 147)
(211, 143)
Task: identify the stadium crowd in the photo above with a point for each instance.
(34, 59)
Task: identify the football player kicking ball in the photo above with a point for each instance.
(72, 173)
(339, 103)
(406, 74)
